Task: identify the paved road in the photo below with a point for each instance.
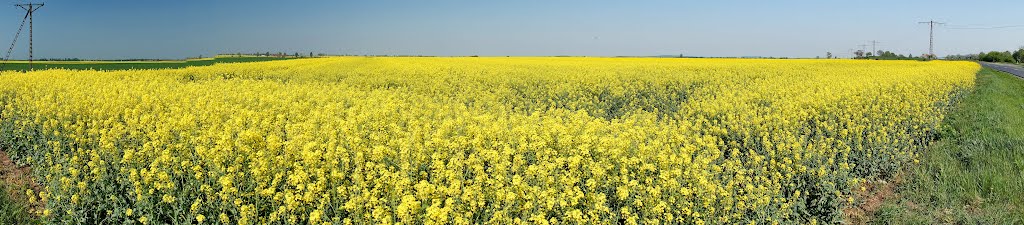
(1008, 68)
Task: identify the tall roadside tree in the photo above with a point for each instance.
(1019, 55)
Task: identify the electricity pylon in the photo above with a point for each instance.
(931, 36)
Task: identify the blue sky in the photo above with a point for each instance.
(178, 29)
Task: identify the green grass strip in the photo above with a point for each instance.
(975, 173)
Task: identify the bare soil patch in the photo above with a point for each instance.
(18, 179)
(869, 197)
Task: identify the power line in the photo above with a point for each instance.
(983, 28)
(873, 43)
(11, 49)
(931, 36)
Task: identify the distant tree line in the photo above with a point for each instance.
(885, 55)
(1016, 56)
(277, 54)
(60, 59)
(258, 54)
(80, 59)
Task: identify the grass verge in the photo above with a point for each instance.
(975, 173)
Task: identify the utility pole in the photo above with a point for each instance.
(931, 36)
(29, 9)
(873, 43)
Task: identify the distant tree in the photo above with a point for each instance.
(311, 54)
(888, 55)
(995, 56)
(962, 57)
(984, 57)
(859, 53)
(828, 55)
(1019, 55)
(867, 54)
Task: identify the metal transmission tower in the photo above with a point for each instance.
(931, 36)
(873, 43)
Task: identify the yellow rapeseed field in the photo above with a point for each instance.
(362, 140)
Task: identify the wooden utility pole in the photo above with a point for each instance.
(29, 9)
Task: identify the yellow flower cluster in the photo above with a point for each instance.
(362, 140)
